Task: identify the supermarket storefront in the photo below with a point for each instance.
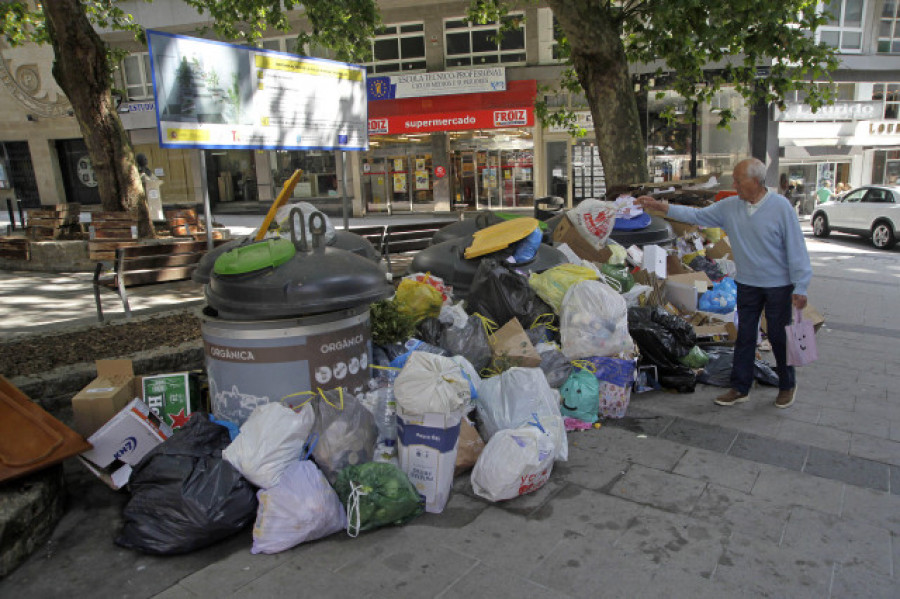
(450, 140)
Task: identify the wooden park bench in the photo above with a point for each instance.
(136, 265)
(401, 242)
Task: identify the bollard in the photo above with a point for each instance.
(12, 215)
(21, 213)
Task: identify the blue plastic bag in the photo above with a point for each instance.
(528, 247)
(721, 299)
(581, 396)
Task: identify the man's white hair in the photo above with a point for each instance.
(756, 170)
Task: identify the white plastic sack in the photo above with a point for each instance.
(593, 321)
(514, 462)
(453, 315)
(516, 397)
(594, 219)
(431, 383)
(283, 218)
(270, 440)
(301, 507)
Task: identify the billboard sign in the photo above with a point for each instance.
(211, 94)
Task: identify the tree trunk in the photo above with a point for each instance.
(81, 68)
(598, 57)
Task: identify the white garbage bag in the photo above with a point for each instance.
(301, 507)
(517, 397)
(593, 321)
(514, 462)
(270, 440)
(430, 383)
(594, 219)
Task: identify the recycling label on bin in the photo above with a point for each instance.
(245, 373)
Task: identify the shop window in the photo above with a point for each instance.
(319, 177)
(889, 28)
(137, 76)
(468, 44)
(398, 48)
(844, 28)
(889, 93)
(288, 44)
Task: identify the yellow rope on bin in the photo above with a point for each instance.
(585, 365)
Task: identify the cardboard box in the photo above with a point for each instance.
(654, 260)
(674, 266)
(682, 229)
(122, 442)
(684, 290)
(721, 249)
(103, 397)
(173, 397)
(565, 232)
(510, 342)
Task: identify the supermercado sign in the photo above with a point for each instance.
(453, 121)
(210, 94)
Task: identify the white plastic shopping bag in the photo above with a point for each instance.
(593, 321)
(516, 397)
(431, 383)
(301, 507)
(801, 341)
(271, 439)
(594, 219)
(514, 462)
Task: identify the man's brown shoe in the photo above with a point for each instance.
(731, 397)
(785, 397)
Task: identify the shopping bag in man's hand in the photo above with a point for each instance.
(801, 341)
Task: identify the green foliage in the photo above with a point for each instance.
(390, 324)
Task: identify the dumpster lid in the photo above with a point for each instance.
(501, 235)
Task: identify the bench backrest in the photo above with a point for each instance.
(373, 233)
(147, 264)
(411, 237)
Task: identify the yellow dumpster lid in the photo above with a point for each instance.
(496, 237)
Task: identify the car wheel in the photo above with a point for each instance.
(820, 225)
(883, 236)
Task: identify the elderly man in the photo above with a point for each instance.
(773, 270)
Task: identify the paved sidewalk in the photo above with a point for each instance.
(680, 499)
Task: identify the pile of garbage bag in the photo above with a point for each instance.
(488, 385)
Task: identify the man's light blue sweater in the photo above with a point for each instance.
(769, 248)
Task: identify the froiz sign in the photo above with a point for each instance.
(378, 125)
(510, 118)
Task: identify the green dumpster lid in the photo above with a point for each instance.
(268, 253)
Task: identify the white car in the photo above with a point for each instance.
(872, 211)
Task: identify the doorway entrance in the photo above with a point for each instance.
(493, 179)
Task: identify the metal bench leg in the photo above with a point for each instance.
(123, 294)
(97, 291)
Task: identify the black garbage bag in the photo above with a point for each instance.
(542, 334)
(184, 496)
(430, 330)
(502, 294)
(659, 347)
(712, 270)
(469, 341)
(718, 371)
(681, 330)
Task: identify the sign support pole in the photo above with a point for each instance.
(345, 200)
(204, 191)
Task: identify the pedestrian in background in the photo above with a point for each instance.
(824, 192)
(773, 271)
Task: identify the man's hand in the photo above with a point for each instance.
(648, 203)
(799, 301)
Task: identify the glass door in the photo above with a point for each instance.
(400, 189)
(423, 181)
(375, 185)
(518, 183)
(465, 174)
(488, 165)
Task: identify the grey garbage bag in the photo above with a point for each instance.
(184, 496)
(469, 341)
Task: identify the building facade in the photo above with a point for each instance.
(452, 123)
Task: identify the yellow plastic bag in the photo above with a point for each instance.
(688, 258)
(712, 234)
(417, 299)
(552, 284)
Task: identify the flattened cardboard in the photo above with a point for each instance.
(721, 249)
(683, 290)
(565, 232)
(682, 229)
(511, 342)
(103, 397)
(654, 260)
(122, 442)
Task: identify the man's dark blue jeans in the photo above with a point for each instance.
(750, 304)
